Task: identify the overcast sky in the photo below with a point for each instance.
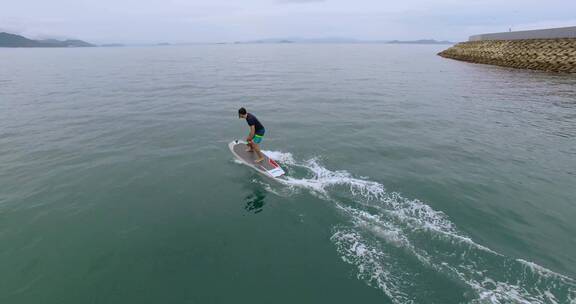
(148, 21)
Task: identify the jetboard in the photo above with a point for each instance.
(267, 167)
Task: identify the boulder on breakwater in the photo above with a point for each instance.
(553, 55)
(551, 49)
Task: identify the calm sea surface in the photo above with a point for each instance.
(411, 178)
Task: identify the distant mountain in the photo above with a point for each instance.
(300, 40)
(75, 43)
(65, 43)
(112, 45)
(422, 41)
(340, 40)
(11, 40)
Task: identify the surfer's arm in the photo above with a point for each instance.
(252, 133)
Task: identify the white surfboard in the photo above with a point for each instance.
(267, 167)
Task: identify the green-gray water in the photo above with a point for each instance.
(411, 178)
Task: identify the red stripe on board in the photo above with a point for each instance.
(273, 163)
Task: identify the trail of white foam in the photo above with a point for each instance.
(402, 223)
(322, 179)
(354, 250)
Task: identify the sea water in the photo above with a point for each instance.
(410, 178)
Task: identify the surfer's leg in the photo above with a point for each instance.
(259, 153)
(256, 146)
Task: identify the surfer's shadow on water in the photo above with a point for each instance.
(254, 202)
(254, 196)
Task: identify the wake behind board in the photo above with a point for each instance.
(267, 167)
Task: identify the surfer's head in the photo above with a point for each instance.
(242, 113)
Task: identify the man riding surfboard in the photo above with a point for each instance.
(256, 133)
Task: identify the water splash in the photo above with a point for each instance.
(386, 230)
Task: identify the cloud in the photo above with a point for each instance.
(135, 21)
(300, 1)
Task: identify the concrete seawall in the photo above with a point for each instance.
(522, 50)
(553, 33)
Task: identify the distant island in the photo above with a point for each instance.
(17, 41)
(339, 40)
(422, 41)
(300, 40)
(112, 45)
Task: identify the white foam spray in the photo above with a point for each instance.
(386, 228)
